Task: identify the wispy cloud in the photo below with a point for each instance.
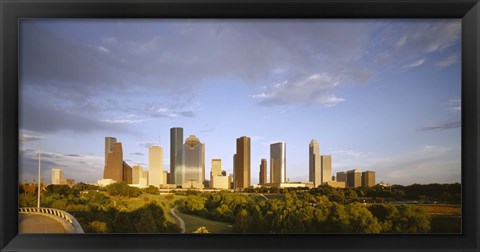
(147, 144)
(417, 63)
(29, 136)
(455, 104)
(137, 154)
(121, 121)
(351, 153)
(312, 89)
(441, 126)
(450, 60)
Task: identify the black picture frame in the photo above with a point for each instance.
(13, 10)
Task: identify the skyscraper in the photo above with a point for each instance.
(155, 166)
(314, 164)
(114, 166)
(241, 169)
(58, 177)
(262, 178)
(278, 162)
(326, 168)
(176, 156)
(354, 178)
(216, 170)
(193, 163)
(127, 173)
(368, 178)
(109, 141)
(136, 173)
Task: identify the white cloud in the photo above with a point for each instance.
(28, 136)
(401, 41)
(103, 49)
(350, 153)
(122, 121)
(415, 64)
(310, 89)
(450, 60)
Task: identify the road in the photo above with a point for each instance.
(180, 220)
(29, 223)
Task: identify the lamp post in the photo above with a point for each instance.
(39, 180)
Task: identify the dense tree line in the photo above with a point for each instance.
(444, 193)
(310, 214)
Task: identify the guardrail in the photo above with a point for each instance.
(75, 226)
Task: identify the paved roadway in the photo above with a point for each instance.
(180, 220)
(32, 223)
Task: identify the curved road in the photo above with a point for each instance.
(180, 220)
(38, 224)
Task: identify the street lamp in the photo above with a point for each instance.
(39, 180)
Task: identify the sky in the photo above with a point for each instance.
(381, 95)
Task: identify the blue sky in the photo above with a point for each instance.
(380, 95)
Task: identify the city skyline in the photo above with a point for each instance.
(377, 95)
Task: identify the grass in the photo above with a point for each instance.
(136, 202)
(455, 210)
(192, 223)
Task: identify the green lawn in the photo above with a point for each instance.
(136, 202)
(192, 223)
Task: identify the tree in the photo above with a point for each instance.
(152, 190)
(145, 223)
(201, 230)
(241, 222)
(158, 215)
(122, 223)
(98, 227)
(361, 220)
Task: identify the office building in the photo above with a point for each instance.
(58, 177)
(127, 173)
(241, 167)
(137, 173)
(176, 156)
(326, 168)
(193, 164)
(216, 169)
(314, 164)
(70, 182)
(341, 177)
(155, 166)
(220, 182)
(262, 176)
(218, 178)
(166, 180)
(354, 178)
(139, 176)
(368, 178)
(109, 141)
(278, 162)
(114, 165)
(336, 184)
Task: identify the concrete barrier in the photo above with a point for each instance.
(69, 222)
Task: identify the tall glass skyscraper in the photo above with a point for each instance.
(278, 162)
(176, 156)
(193, 170)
